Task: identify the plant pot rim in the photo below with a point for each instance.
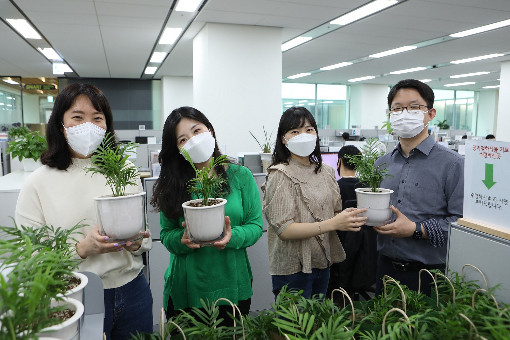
(185, 205)
(110, 197)
(84, 280)
(368, 191)
(78, 312)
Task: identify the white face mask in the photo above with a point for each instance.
(200, 147)
(407, 124)
(84, 138)
(302, 145)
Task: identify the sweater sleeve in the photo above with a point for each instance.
(279, 206)
(171, 235)
(250, 231)
(29, 210)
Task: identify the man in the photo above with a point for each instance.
(428, 184)
(357, 273)
(490, 137)
(346, 136)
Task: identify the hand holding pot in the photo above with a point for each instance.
(186, 241)
(135, 245)
(401, 227)
(95, 243)
(221, 244)
(348, 219)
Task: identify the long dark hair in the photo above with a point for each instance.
(58, 155)
(293, 118)
(171, 188)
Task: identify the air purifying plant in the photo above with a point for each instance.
(207, 183)
(443, 125)
(369, 173)
(26, 144)
(265, 146)
(111, 161)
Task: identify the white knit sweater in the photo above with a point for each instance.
(64, 198)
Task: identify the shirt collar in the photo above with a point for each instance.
(424, 147)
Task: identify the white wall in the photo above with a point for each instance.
(487, 108)
(177, 92)
(368, 105)
(237, 72)
(503, 115)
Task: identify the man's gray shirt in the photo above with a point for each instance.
(428, 188)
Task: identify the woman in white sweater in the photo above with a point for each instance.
(60, 193)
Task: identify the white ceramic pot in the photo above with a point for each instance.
(376, 203)
(77, 292)
(68, 329)
(122, 217)
(204, 224)
(266, 159)
(29, 164)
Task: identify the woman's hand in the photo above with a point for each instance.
(348, 219)
(95, 243)
(135, 245)
(221, 244)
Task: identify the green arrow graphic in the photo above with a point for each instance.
(488, 181)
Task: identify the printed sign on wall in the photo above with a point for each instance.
(486, 183)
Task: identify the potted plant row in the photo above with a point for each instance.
(120, 215)
(205, 215)
(36, 267)
(375, 199)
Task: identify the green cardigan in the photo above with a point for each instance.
(208, 273)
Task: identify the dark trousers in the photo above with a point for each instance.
(243, 305)
(406, 274)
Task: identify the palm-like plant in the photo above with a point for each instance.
(369, 173)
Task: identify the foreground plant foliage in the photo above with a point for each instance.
(459, 310)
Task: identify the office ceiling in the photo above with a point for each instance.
(115, 38)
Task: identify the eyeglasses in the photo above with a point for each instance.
(412, 107)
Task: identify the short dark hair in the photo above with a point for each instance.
(58, 154)
(293, 118)
(490, 136)
(348, 150)
(346, 136)
(171, 187)
(423, 89)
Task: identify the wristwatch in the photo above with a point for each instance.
(417, 235)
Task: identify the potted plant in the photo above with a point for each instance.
(205, 216)
(265, 146)
(375, 199)
(120, 215)
(27, 146)
(442, 125)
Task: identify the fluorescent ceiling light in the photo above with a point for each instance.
(50, 53)
(414, 69)
(187, 5)
(481, 29)
(295, 42)
(299, 75)
(61, 68)
(287, 103)
(150, 70)
(10, 81)
(303, 101)
(158, 57)
(361, 79)
(24, 28)
(468, 60)
(491, 87)
(327, 102)
(368, 9)
(468, 74)
(460, 84)
(332, 67)
(425, 80)
(393, 51)
(170, 35)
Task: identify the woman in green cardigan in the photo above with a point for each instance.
(197, 272)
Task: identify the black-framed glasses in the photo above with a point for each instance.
(412, 107)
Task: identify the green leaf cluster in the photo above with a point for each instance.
(364, 164)
(443, 125)
(26, 144)
(207, 183)
(111, 161)
(40, 260)
(266, 144)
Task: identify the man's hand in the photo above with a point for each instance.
(401, 227)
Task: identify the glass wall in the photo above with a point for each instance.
(11, 109)
(458, 108)
(326, 102)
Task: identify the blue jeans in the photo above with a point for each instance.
(128, 309)
(312, 284)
